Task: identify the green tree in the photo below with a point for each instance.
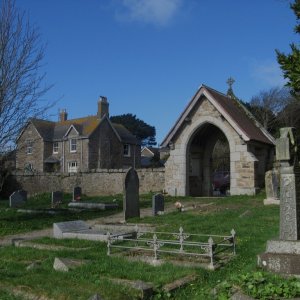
(143, 131)
(290, 63)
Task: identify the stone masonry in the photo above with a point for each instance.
(100, 182)
(242, 164)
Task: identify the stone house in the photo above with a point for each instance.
(214, 121)
(77, 145)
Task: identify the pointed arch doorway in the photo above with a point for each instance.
(208, 157)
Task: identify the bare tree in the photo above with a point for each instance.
(21, 75)
(21, 79)
(268, 104)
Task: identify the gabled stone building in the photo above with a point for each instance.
(211, 118)
(75, 145)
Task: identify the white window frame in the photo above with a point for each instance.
(72, 166)
(55, 147)
(29, 146)
(126, 150)
(73, 145)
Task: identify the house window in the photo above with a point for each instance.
(29, 144)
(55, 147)
(126, 149)
(73, 145)
(72, 166)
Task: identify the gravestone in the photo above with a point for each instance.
(283, 255)
(67, 264)
(131, 205)
(57, 199)
(72, 226)
(158, 204)
(272, 184)
(17, 198)
(77, 193)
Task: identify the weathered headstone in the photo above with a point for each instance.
(17, 198)
(57, 199)
(158, 204)
(272, 184)
(96, 297)
(283, 255)
(131, 205)
(77, 193)
(66, 264)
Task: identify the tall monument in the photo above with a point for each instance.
(283, 255)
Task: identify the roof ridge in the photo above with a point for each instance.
(75, 119)
(41, 120)
(210, 88)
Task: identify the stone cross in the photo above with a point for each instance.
(286, 154)
(131, 205)
(230, 82)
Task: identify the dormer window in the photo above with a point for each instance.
(126, 150)
(55, 147)
(73, 145)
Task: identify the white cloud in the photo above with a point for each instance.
(157, 12)
(268, 72)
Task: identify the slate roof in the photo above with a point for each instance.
(52, 131)
(125, 134)
(241, 116)
(235, 111)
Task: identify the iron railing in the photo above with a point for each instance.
(175, 243)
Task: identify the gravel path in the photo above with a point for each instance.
(116, 218)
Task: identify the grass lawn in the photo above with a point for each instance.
(253, 222)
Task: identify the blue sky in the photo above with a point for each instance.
(148, 57)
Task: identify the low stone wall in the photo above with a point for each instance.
(100, 182)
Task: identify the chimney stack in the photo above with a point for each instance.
(63, 115)
(102, 107)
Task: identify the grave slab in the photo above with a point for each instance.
(73, 226)
(89, 205)
(81, 230)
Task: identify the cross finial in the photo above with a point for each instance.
(230, 81)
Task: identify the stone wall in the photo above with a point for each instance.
(100, 182)
(35, 157)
